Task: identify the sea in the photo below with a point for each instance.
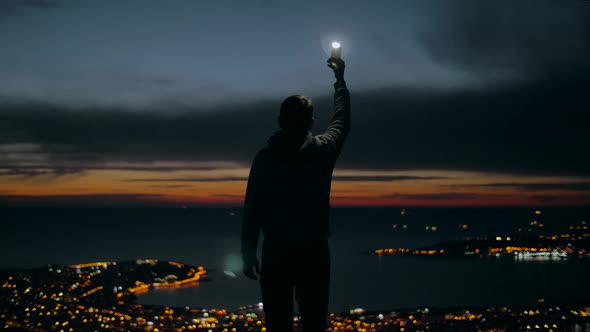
(33, 237)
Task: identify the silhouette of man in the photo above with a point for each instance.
(288, 198)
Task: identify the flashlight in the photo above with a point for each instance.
(336, 49)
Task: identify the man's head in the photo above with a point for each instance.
(296, 113)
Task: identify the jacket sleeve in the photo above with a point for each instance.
(251, 222)
(339, 127)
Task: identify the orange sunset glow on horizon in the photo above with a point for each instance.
(225, 186)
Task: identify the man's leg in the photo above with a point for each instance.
(312, 288)
(276, 283)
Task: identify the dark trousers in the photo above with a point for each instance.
(303, 267)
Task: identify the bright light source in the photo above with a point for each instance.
(335, 45)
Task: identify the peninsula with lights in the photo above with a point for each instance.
(97, 295)
(534, 243)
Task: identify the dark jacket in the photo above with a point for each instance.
(288, 193)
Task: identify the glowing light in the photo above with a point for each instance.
(335, 44)
(498, 238)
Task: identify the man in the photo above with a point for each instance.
(288, 198)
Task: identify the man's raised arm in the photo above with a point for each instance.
(339, 127)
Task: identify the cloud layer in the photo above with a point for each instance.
(531, 127)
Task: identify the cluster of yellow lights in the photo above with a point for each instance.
(466, 316)
(176, 264)
(511, 250)
(93, 264)
(349, 324)
(545, 326)
(8, 285)
(393, 251)
(92, 291)
(390, 251)
(141, 287)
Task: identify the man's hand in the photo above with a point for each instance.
(337, 66)
(251, 265)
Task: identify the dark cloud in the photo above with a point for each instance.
(213, 179)
(580, 186)
(83, 200)
(170, 186)
(355, 191)
(228, 196)
(444, 196)
(562, 198)
(351, 197)
(525, 127)
(384, 178)
(32, 171)
(531, 127)
(350, 178)
(26, 173)
(95, 136)
(508, 37)
(459, 197)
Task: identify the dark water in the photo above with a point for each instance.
(210, 237)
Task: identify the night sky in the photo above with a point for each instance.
(165, 103)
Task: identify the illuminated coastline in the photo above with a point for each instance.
(97, 295)
(100, 296)
(573, 242)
